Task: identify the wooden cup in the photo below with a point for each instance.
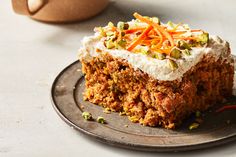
(59, 11)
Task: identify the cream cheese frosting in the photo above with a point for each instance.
(158, 69)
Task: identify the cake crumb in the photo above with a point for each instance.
(122, 113)
(107, 111)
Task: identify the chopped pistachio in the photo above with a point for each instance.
(175, 53)
(193, 43)
(133, 119)
(186, 52)
(193, 126)
(110, 33)
(156, 20)
(109, 44)
(146, 17)
(144, 51)
(171, 24)
(107, 111)
(122, 113)
(136, 22)
(122, 43)
(101, 31)
(172, 64)
(122, 25)
(117, 46)
(186, 26)
(110, 24)
(183, 45)
(100, 120)
(203, 38)
(87, 115)
(159, 56)
(198, 114)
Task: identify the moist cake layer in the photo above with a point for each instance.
(114, 84)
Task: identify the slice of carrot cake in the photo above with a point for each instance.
(157, 74)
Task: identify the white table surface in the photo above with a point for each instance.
(33, 53)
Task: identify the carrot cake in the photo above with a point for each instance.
(157, 74)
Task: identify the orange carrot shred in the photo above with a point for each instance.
(196, 30)
(161, 38)
(157, 26)
(177, 32)
(139, 39)
(156, 37)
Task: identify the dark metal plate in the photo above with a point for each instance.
(68, 102)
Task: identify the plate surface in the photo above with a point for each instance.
(67, 97)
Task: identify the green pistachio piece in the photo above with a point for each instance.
(172, 64)
(107, 110)
(110, 33)
(183, 45)
(175, 53)
(101, 31)
(144, 51)
(159, 56)
(122, 43)
(146, 17)
(186, 26)
(203, 38)
(193, 43)
(156, 20)
(117, 46)
(133, 119)
(122, 113)
(109, 44)
(198, 114)
(136, 22)
(87, 115)
(122, 25)
(100, 120)
(171, 24)
(186, 52)
(193, 126)
(110, 24)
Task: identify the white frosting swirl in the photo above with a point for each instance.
(158, 69)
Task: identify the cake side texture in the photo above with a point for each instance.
(114, 84)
